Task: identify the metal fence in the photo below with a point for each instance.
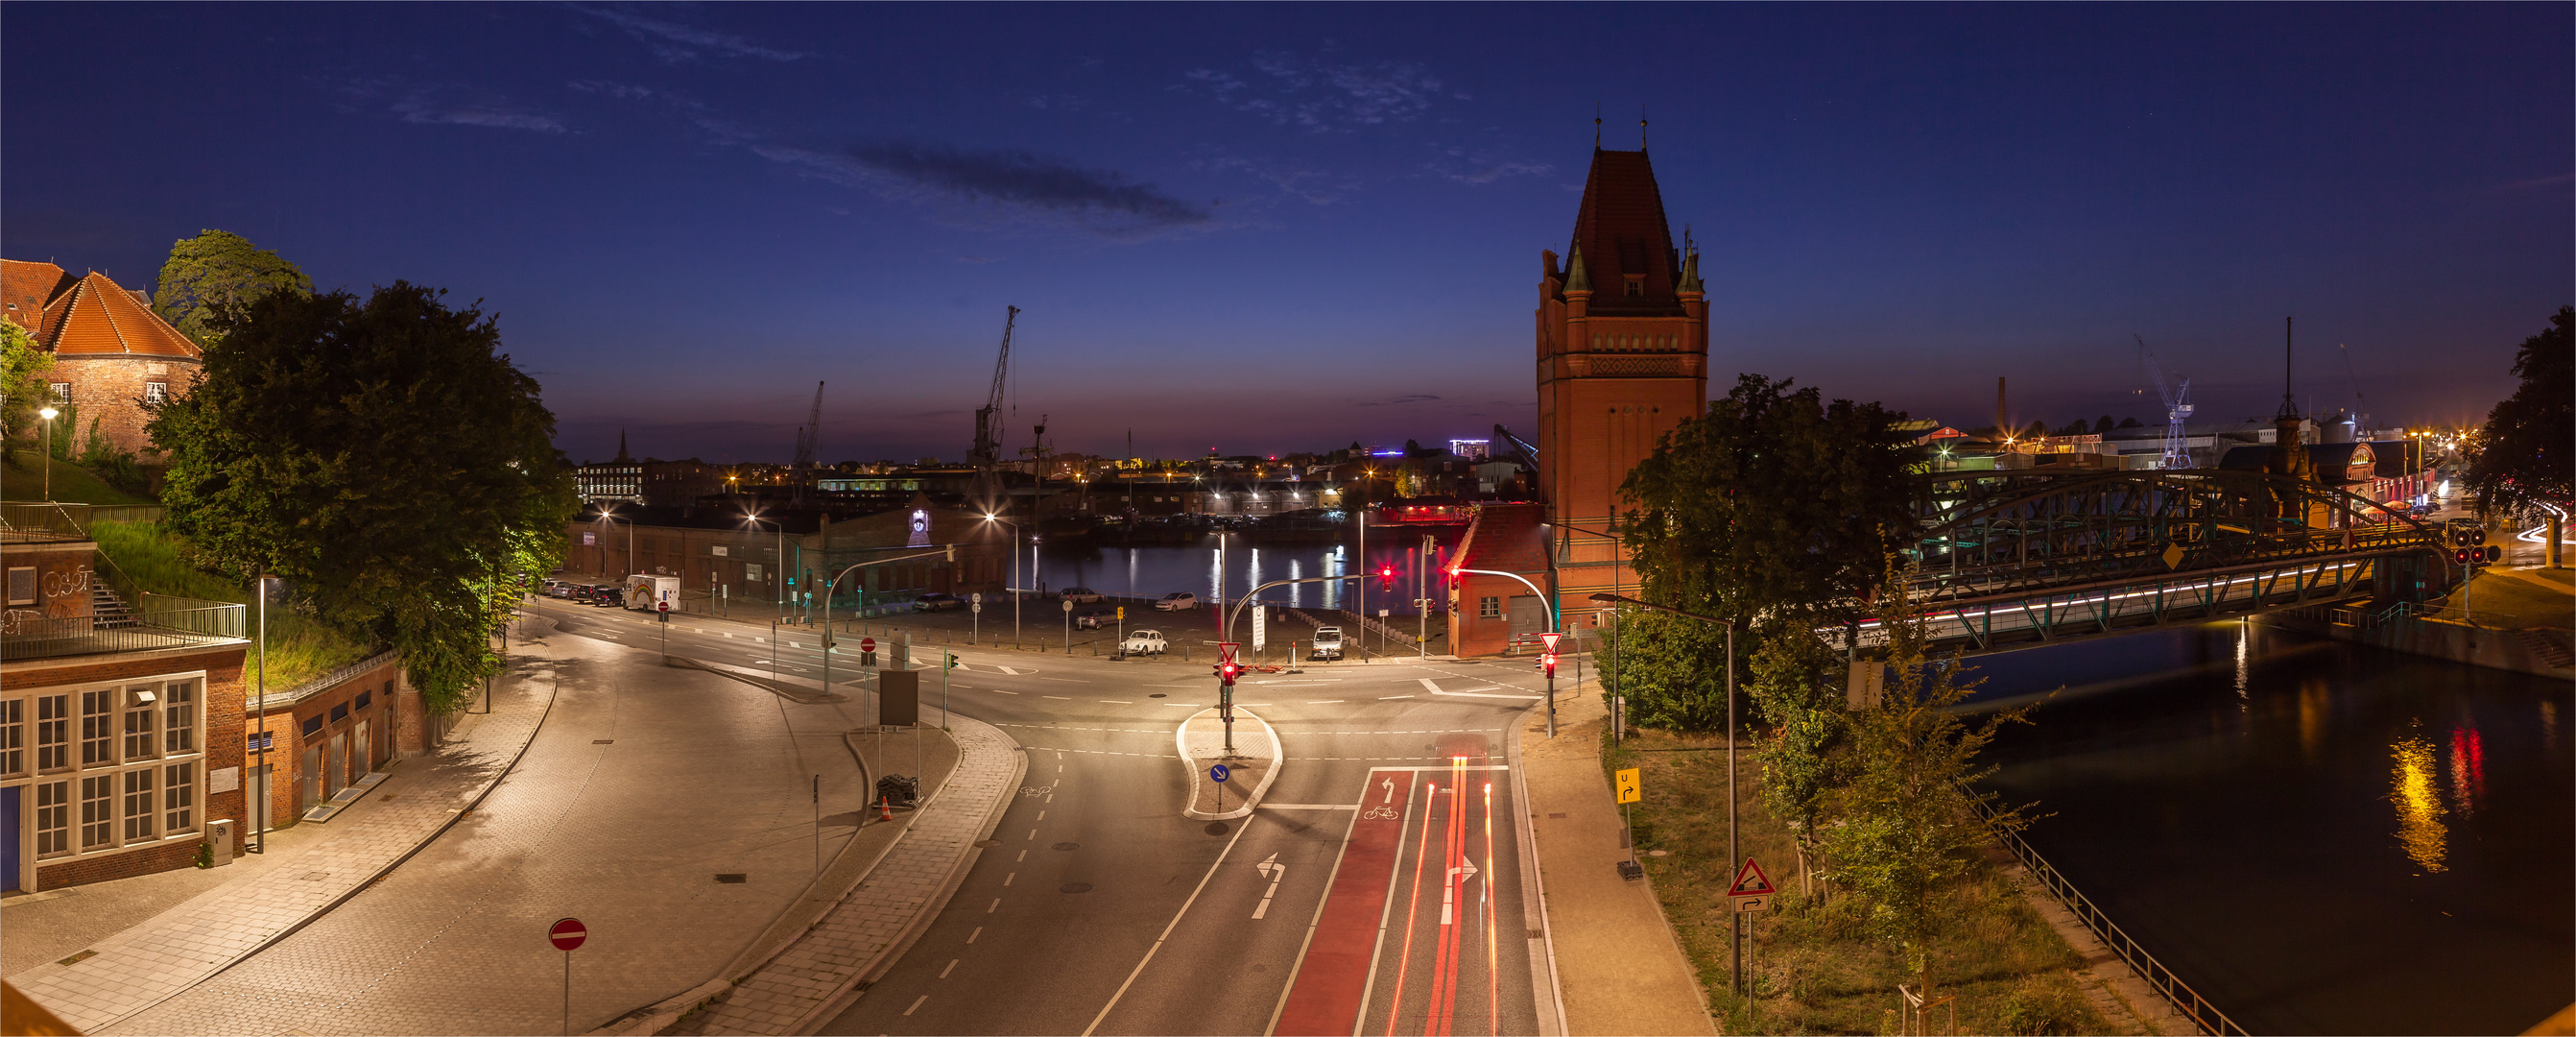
(163, 622)
(71, 518)
(2184, 999)
(327, 681)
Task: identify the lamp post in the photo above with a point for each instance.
(1736, 939)
(1555, 623)
(48, 414)
(259, 711)
(778, 571)
(608, 513)
(1015, 571)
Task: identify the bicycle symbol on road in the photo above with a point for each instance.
(1378, 814)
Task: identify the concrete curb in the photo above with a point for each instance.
(371, 879)
(1549, 990)
(831, 1007)
(1181, 747)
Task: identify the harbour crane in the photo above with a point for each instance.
(987, 451)
(2177, 397)
(806, 439)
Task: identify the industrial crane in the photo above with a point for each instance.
(2177, 397)
(986, 454)
(806, 438)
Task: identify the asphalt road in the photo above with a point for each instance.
(1103, 910)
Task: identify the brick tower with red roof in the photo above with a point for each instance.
(1622, 359)
(112, 354)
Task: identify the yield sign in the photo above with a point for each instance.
(1225, 652)
(1550, 638)
(1751, 882)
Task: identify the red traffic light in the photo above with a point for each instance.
(1386, 577)
(1227, 672)
(1549, 660)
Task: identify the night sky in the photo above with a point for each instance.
(1272, 228)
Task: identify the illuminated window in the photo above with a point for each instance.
(53, 818)
(98, 727)
(179, 798)
(97, 811)
(142, 810)
(156, 392)
(53, 732)
(139, 714)
(13, 736)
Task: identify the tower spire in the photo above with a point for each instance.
(2289, 406)
(621, 445)
(1641, 127)
(1596, 125)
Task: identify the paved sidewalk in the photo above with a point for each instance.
(1618, 967)
(149, 963)
(1200, 743)
(791, 992)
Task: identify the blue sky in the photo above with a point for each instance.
(1268, 228)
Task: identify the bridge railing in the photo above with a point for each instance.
(2184, 999)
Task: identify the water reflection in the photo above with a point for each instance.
(2419, 805)
(2468, 769)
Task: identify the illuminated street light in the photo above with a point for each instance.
(48, 414)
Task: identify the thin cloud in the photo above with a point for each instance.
(461, 105)
(1399, 401)
(1100, 201)
(1321, 95)
(675, 43)
(1459, 165)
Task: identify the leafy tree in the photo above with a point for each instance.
(1909, 828)
(2103, 424)
(2129, 423)
(22, 382)
(385, 457)
(1771, 508)
(218, 269)
(2037, 430)
(1672, 670)
(1801, 758)
(2522, 458)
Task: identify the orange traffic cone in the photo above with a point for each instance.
(885, 808)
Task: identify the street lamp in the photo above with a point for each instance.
(1015, 571)
(778, 571)
(48, 459)
(608, 513)
(1736, 939)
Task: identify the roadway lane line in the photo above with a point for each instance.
(952, 966)
(1066, 680)
(979, 930)
(1474, 695)
(916, 1003)
(997, 905)
(1309, 806)
(1122, 702)
(1167, 930)
(1323, 702)
(1006, 879)
(1428, 685)
(1383, 698)
(1059, 698)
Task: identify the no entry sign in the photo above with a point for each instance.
(567, 934)
(867, 644)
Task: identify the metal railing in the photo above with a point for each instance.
(71, 518)
(2184, 999)
(163, 622)
(326, 681)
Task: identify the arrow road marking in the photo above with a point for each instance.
(1458, 876)
(1389, 785)
(1274, 871)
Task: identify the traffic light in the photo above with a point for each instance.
(2461, 555)
(1386, 578)
(1226, 673)
(1549, 661)
(952, 660)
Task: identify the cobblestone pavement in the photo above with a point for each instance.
(646, 785)
(904, 889)
(182, 946)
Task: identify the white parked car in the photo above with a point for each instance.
(1177, 601)
(1143, 642)
(1328, 644)
(1080, 595)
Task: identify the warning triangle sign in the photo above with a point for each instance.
(1750, 882)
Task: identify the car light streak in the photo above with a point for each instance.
(1412, 908)
(1493, 945)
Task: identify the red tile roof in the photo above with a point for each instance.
(1505, 538)
(26, 287)
(98, 316)
(1621, 230)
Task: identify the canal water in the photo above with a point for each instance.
(1153, 571)
(2319, 837)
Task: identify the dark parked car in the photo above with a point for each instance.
(1094, 619)
(937, 602)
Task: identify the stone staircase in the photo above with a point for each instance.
(108, 611)
(2554, 645)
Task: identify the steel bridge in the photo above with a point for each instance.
(2017, 558)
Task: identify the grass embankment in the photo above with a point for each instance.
(1815, 968)
(147, 558)
(22, 478)
(2514, 599)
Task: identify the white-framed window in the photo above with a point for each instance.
(13, 736)
(97, 811)
(53, 818)
(179, 718)
(156, 392)
(1489, 608)
(142, 707)
(179, 798)
(98, 727)
(53, 732)
(142, 808)
(62, 392)
(22, 585)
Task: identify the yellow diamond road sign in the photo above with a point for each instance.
(1628, 785)
(2173, 556)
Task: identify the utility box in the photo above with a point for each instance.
(219, 837)
(899, 697)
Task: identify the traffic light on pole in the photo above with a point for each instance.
(1386, 578)
(1226, 672)
(1549, 660)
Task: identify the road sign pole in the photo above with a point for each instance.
(1735, 926)
(567, 999)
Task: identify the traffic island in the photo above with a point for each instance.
(1249, 767)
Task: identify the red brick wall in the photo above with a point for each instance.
(64, 573)
(110, 389)
(221, 704)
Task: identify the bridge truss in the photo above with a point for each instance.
(2011, 558)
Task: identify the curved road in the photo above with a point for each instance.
(1391, 834)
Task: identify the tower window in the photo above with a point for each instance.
(1636, 288)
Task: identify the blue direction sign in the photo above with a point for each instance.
(1219, 773)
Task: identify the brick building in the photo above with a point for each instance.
(120, 732)
(112, 354)
(1622, 351)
